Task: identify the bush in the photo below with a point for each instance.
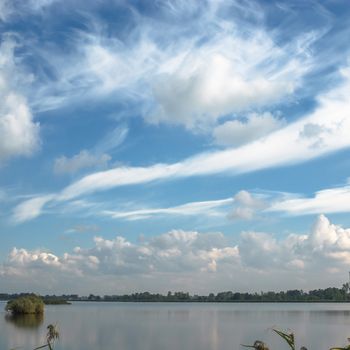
(30, 304)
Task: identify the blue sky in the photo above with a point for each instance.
(183, 145)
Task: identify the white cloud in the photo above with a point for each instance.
(280, 148)
(11, 8)
(208, 208)
(246, 205)
(82, 228)
(326, 246)
(250, 205)
(112, 140)
(39, 5)
(19, 134)
(22, 257)
(174, 252)
(83, 160)
(246, 199)
(210, 84)
(30, 209)
(188, 80)
(332, 242)
(237, 132)
(177, 257)
(94, 158)
(4, 10)
(332, 200)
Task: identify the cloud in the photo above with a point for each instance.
(22, 257)
(208, 208)
(30, 209)
(19, 134)
(4, 10)
(332, 200)
(173, 252)
(193, 257)
(83, 160)
(326, 246)
(280, 148)
(82, 228)
(236, 132)
(250, 205)
(39, 5)
(10, 9)
(176, 78)
(246, 206)
(94, 158)
(112, 140)
(207, 87)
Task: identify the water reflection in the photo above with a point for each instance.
(25, 321)
(159, 326)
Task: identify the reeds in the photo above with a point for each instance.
(289, 338)
(51, 336)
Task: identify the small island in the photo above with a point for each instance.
(30, 304)
(55, 301)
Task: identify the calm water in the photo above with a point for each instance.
(152, 326)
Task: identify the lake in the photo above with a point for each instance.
(179, 326)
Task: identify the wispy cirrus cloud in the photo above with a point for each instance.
(208, 208)
(192, 83)
(283, 147)
(247, 205)
(30, 208)
(330, 200)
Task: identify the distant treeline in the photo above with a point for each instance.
(317, 295)
(47, 299)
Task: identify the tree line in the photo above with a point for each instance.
(331, 294)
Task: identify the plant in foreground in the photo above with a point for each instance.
(289, 338)
(344, 348)
(51, 336)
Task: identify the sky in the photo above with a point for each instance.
(178, 145)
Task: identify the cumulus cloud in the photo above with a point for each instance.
(174, 252)
(326, 246)
(83, 160)
(237, 132)
(194, 256)
(246, 205)
(19, 134)
(320, 249)
(207, 88)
